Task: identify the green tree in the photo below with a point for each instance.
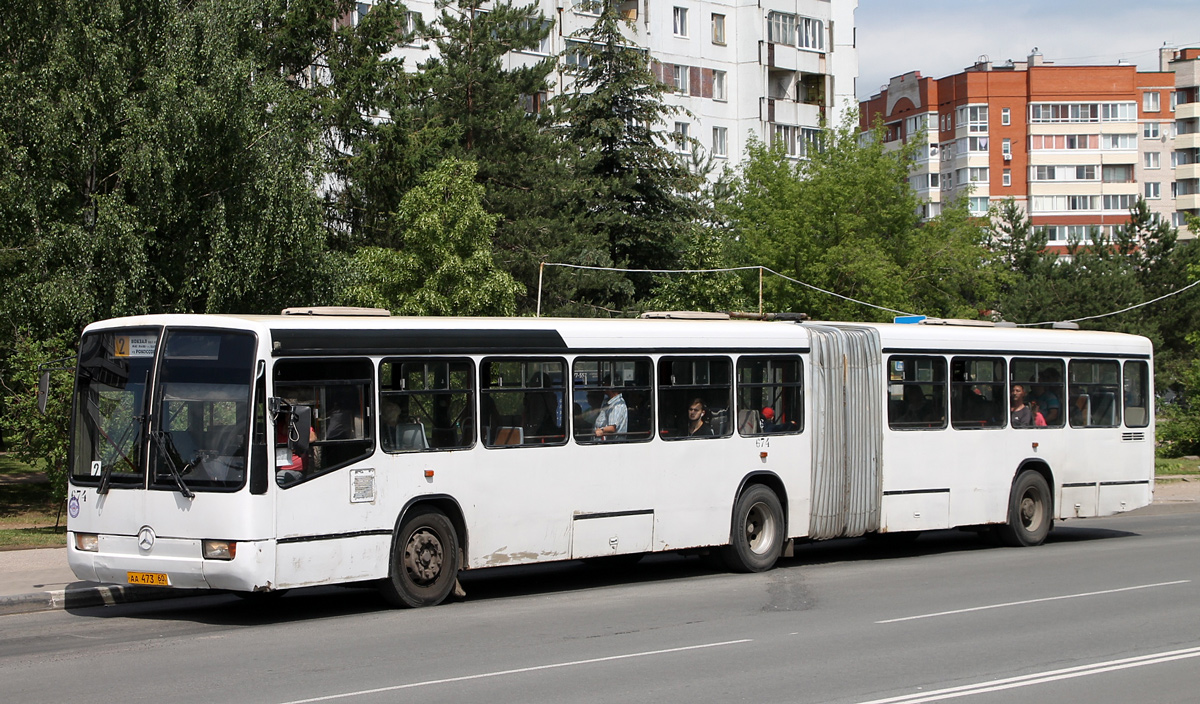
(163, 158)
(490, 113)
(38, 438)
(443, 262)
(632, 207)
(843, 218)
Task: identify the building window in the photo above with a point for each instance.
(718, 29)
(576, 57)
(1153, 190)
(1150, 130)
(1006, 147)
(719, 142)
(1005, 116)
(588, 7)
(781, 28)
(1118, 202)
(1151, 102)
(719, 85)
(1007, 176)
(977, 174)
(978, 205)
(976, 117)
(680, 22)
(1151, 160)
(681, 136)
(533, 103)
(680, 78)
(1119, 141)
(811, 34)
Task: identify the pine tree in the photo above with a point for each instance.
(633, 207)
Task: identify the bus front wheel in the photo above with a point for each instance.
(757, 536)
(425, 560)
(1029, 516)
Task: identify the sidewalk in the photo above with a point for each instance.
(40, 580)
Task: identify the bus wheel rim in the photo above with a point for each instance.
(423, 556)
(760, 528)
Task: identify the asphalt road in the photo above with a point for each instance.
(1106, 611)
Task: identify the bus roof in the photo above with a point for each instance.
(308, 335)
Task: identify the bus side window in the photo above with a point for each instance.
(620, 382)
(338, 392)
(694, 395)
(1094, 388)
(1043, 383)
(916, 392)
(978, 396)
(770, 395)
(1137, 394)
(523, 402)
(426, 404)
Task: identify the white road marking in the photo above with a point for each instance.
(1035, 601)
(535, 668)
(1040, 678)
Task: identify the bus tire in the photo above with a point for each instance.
(1029, 512)
(425, 560)
(756, 539)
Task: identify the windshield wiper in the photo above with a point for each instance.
(166, 448)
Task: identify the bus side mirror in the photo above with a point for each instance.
(300, 427)
(43, 392)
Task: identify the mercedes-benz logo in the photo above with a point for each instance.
(146, 538)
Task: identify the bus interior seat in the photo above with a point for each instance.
(719, 420)
(510, 435)
(411, 436)
(748, 421)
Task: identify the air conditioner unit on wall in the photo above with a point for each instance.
(1008, 156)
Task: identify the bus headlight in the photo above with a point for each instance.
(220, 549)
(87, 542)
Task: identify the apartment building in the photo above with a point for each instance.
(773, 68)
(1185, 64)
(1074, 145)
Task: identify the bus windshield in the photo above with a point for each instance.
(199, 411)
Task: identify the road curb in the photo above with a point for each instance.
(84, 597)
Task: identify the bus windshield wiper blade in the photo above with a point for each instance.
(161, 439)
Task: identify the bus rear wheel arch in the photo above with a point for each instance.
(758, 531)
(1030, 511)
(425, 559)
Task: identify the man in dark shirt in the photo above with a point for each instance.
(1022, 414)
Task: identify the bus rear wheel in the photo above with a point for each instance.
(1029, 516)
(425, 560)
(756, 539)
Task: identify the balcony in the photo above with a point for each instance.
(1187, 172)
(789, 112)
(1187, 111)
(1188, 202)
(1187, 141)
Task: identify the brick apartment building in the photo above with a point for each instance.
(1073, 145)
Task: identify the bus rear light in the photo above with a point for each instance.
(220, 549)
(87, 542)
(429, 474)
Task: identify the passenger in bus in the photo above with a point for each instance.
(1080, 410)
(1039, 420)
(612, 423)
(1046, 397)
(1020, 412)
(698, 424)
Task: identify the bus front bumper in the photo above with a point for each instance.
(173, 562)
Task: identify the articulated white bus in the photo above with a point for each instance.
(261, 453)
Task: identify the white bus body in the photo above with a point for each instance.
(842, 449)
